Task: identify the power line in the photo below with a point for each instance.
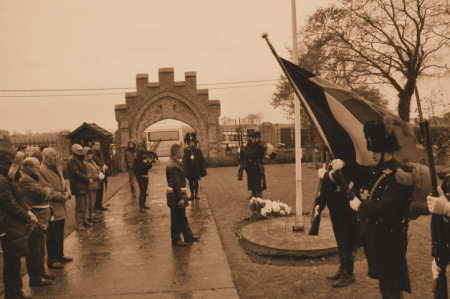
(112, 93)
(130, 88)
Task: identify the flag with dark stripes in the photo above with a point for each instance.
(340, 114)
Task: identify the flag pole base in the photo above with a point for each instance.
(299, 225)
(298, 228)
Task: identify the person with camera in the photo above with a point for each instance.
(142, 165)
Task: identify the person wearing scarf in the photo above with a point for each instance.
(53, 177)
(37, 195)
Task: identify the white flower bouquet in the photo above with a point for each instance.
(268, 208)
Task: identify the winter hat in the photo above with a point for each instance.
(378, 139)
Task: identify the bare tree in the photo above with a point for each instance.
(390, 41)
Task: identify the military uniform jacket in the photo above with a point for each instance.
(193, 163)
(254, 154)
(384, 216)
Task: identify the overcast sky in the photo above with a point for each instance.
(92, 44)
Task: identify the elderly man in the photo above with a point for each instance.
(52, 176)
(79, 183)
(36, 194)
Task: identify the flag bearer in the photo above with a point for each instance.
(344, 222)
(384, 214)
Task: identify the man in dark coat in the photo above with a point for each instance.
(99, 159)
(130, 159)
(16, 222)
(193, 164)
(176, 199)
(254, 154)
(345, 226)
(142, 165)
(79, 184)
(384, 214)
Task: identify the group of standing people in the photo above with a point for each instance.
(86, 170)
(32, 208)
(371, 206)
(187, 163)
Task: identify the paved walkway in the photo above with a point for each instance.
(129, 254)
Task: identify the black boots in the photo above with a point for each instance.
(344, 280)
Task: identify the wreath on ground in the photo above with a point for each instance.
(265, 208)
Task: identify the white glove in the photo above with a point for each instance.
(321, 172)
(101, 176)
(355, 203)
(32, 216)
(435, 269)
(337, 164)
(316, 210)
(438, 205)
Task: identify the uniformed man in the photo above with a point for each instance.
(384, 215)
(440, 205)
(254, 154)
(344, 222)
(193, 163)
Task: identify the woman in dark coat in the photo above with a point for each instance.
(16, 222)
(193, 164)
(176, 199)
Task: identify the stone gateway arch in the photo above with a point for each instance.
(167, 99)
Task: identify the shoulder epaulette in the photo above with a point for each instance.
(403, 178)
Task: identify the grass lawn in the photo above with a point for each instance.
(257, 277)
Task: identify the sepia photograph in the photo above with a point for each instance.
(225, 149)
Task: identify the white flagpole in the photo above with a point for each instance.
(299, 225)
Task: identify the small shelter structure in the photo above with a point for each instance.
(88, 133)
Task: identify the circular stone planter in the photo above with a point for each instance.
(275, 237)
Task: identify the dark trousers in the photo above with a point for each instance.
(143, 184)
(346, 232)
(388, 293)
(55, 241)
(11, 273)
(179, 224)
(99, 200)
(35, 261)
(193, 186)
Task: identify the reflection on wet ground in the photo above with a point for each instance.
(129, 254)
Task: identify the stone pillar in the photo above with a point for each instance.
(166, 78)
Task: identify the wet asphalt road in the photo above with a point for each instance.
(129, 254)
